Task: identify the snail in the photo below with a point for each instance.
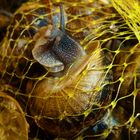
(13, 124)
(58, 99)
(70, 88)
(62, 104)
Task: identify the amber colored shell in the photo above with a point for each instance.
(62, 106)
(13, 124)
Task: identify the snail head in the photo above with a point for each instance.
(54, 48)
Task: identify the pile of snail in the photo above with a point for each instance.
(58, 74)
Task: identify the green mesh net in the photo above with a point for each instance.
(71, 69)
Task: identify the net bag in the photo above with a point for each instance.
(73, 68)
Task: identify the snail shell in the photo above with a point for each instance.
(13, 124)
(64, 105)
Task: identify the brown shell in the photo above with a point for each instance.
(13, 124)
(62, 106)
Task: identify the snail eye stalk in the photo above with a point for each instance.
(62, 18)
